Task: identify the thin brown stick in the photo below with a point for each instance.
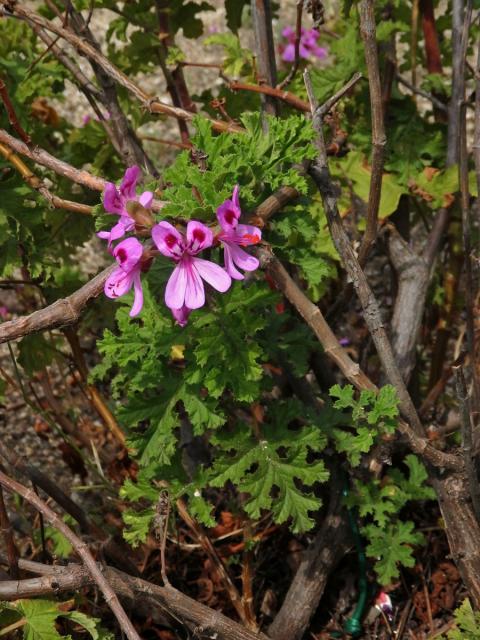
(42, 157)
(298, 35)
(441, 106)
(93, 394)
(275, 92)
(266, 65)
(210, 550)
(373, 318)
(468, 262)
(379, 139)
(80, 548)
(12, 116)
(332, 348)
(197, 617)
(152, 105)
(476, 134)
(33, 181)
(328, 105)
(247, 579)
(467, 436)
(7, 533)
(61, 313)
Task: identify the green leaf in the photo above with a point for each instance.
(234, 10)
(390, 547)
(467, 623)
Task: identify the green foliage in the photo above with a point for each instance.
(237, 60)
(37, 619)
(467, 623)
(380, 502)
(258, 162)
(371, 415)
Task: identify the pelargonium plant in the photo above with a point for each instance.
(185, 290)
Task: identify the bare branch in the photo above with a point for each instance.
(135, 591)
(350, 369)
(59, 314)
(280, 94)
(81, 45)
(80, 548)
(379, 139)
(7, 532)
(267, 68)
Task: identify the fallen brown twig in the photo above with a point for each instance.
(80, 548)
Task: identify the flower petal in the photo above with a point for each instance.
(118, 283)
(176, 285)
(138, 299)
(168, 240)
(145, 199)
(248, 234)
(194, 291)
(242, 259)
(199, 237)
(229, 212)
(229, 264)
(112, 200)
(212, 273)
(129, 183)
(128, 253)
(289, 53)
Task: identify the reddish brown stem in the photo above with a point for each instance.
(6, 528)
(432, 46)
(12, 116)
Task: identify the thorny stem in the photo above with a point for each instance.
(81, 549)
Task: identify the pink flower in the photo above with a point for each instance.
(128, 254)
(234, 235)
(185, 289)
(308, 44)
(3, 312)
(115, 201)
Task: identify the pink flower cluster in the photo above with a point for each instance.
(308, 44)
(185, 290)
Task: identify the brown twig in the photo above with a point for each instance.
(476, 133)
(12, 116)
(280, 94)
(82, 46)
(218, 563)
(328, 105)
(92, 392)
(6, 529)
(266, 65)
(332, 348)
(438, 104)
(298, 36)
(42, 157)
(467, 435)
(33, 181)
(59, 314)
(145, 596)
(373, 318)
(80, 548)
(379, 139)
(247, 578)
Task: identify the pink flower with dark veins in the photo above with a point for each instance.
(233, 236)
(308, 44)
(128, 255)
(115, 201)
(185, 289)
